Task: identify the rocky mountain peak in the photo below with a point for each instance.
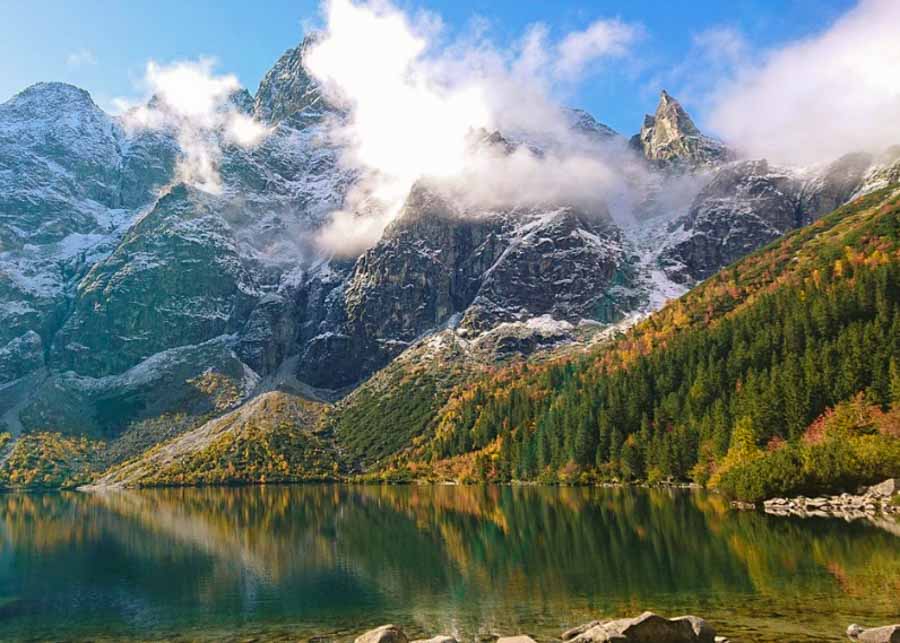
(287, 88)
(581, 121)
(670, 138)
(53, 102)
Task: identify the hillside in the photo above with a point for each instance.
(269, 440)
(750, 357)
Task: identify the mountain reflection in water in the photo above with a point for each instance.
(290, 562)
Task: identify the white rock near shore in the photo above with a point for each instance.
(646, 628)
(875, 500)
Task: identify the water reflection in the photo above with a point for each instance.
(293, 561)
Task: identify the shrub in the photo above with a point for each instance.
(842, 450)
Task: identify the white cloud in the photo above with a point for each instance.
(603, 38)
(413, 108)
(821, 97)
(714, 57)
(195, 103)
(81, 58)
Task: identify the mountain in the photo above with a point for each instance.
(750, 203)
(136, 309)
(669, 139)
(741, 366)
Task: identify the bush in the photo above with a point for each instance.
(774, 474)
(848, 447)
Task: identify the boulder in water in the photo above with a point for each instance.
(383, 634)
(647, 628)
(886, 634)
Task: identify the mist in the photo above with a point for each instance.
(190, 100)
(414, 103)
(818, 98)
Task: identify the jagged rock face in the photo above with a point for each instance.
(745, 206)
(70, 180)
(175, 279)
(884, 171)
(834, 187)
(581, 121)
(21, 356)
(436, 266)
(427, 268)
(669, 138)
(563, 263)
(287, 88)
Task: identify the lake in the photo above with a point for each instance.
(290, 562)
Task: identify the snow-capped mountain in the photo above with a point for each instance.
(126, 295)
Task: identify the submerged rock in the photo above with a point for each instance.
(383, 634)
(440, 638)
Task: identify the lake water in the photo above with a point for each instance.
(287, 563)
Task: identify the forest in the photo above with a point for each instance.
(751, 367)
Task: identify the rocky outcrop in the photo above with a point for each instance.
(874, 501)
(832, 188)
(745, 206)
(669, 139)
(438, 265)
(288, 88)
(748, 204)
(176, 279)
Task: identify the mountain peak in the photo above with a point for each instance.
(288, 88)
(669, 137)
(672, 115)
(52, 95)
(582, 121)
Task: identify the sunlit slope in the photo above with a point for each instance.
(270, 439)
(769, 344)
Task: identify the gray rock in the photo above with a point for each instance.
(287, 88)
(650, 628)
(576, 631)
(521, 638)
(885, 489)
(670, 138)
(886, 634)
(383, 634)
(746, 205)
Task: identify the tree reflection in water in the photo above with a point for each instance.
(292, 561)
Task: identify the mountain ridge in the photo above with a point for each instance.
(127, 296)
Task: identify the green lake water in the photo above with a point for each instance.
(293, 562)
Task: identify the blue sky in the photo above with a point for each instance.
(103, 46)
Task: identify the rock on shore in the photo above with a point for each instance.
(875, 500)
(646, 628)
